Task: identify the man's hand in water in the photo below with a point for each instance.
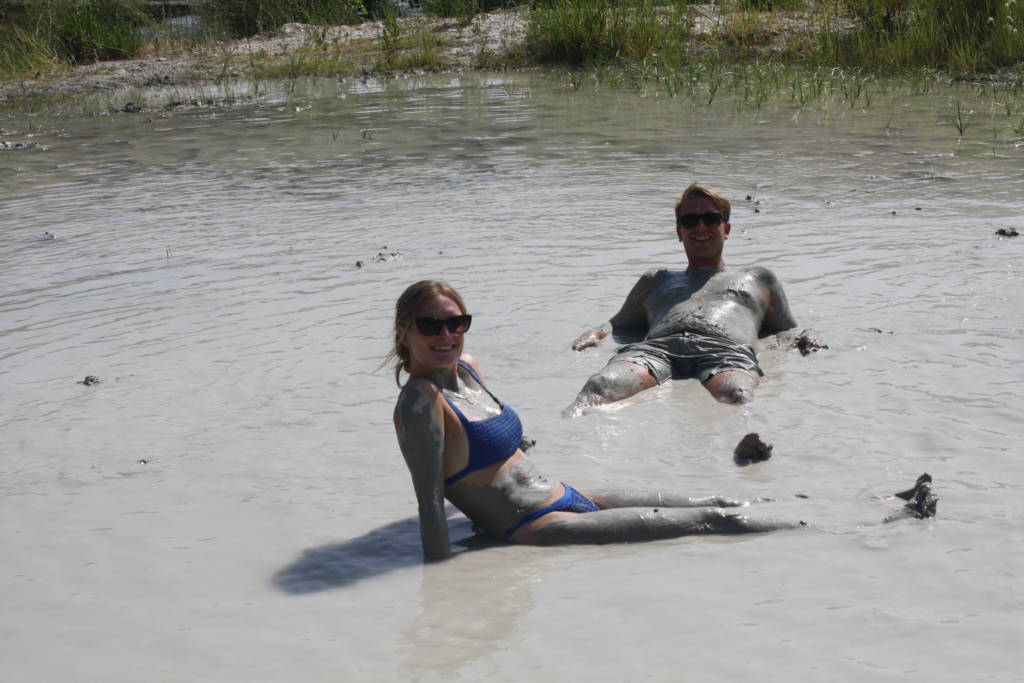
(588, 339)
(808, 342)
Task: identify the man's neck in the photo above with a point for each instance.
(713, 264)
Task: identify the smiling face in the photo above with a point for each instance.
(441, 350)
(703, 244)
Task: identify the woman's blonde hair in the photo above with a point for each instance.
(409, 304)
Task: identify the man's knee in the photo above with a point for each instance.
(737, 395)
(732, 387)
(609, 385)
(619, 380)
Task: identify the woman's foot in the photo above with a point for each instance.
(921, 500)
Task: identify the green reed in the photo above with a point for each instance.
(242, 18)
(960, 123)
(586, 31)
(39, 36)
(887, 37)
(47, 34)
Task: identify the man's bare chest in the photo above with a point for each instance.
(677, 293)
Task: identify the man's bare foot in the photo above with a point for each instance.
(752, 448)
(921, 501)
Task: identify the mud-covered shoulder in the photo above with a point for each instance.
(777, 317)
(649, 282)
(633, 314)
(653, 275)
(418, 388)
(764, 276)
(416, 403)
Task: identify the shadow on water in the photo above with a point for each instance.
(470, 608)
(387, 548)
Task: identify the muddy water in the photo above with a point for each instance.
(230, 503)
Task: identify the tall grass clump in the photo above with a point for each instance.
(40, 35)
(243, 18)
(981, 33)
(96, 30)
(962, 36)
(463, 10)
(586, 31)
(24, 52)
(390, 34)
(409, 44)
(770, 5)
(457, 8)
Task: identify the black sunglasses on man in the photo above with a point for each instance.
(712, 219)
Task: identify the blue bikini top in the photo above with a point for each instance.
(491, 440)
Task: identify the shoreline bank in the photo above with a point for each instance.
(296, 50)
(698, 40)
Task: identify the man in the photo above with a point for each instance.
(702, 322)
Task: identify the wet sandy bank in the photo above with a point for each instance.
(455, 45)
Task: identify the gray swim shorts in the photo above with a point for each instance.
(690, 354)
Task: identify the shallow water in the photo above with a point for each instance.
(230, 503)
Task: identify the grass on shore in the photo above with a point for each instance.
(409, 47)
(244, 18)
(881, 37)
(48, 35)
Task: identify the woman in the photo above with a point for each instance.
(461, 443)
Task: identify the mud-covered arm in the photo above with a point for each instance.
(420, 429)
(777, 317)
(632, 315)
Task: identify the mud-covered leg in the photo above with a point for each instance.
(629, 525)
(732, 386)
(614, 382)
(652, 498)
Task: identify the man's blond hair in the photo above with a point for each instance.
(695, 190)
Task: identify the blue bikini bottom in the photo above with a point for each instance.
(571, 501)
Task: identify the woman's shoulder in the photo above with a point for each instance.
(416, 395)
(419, 388)
(467, 359)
